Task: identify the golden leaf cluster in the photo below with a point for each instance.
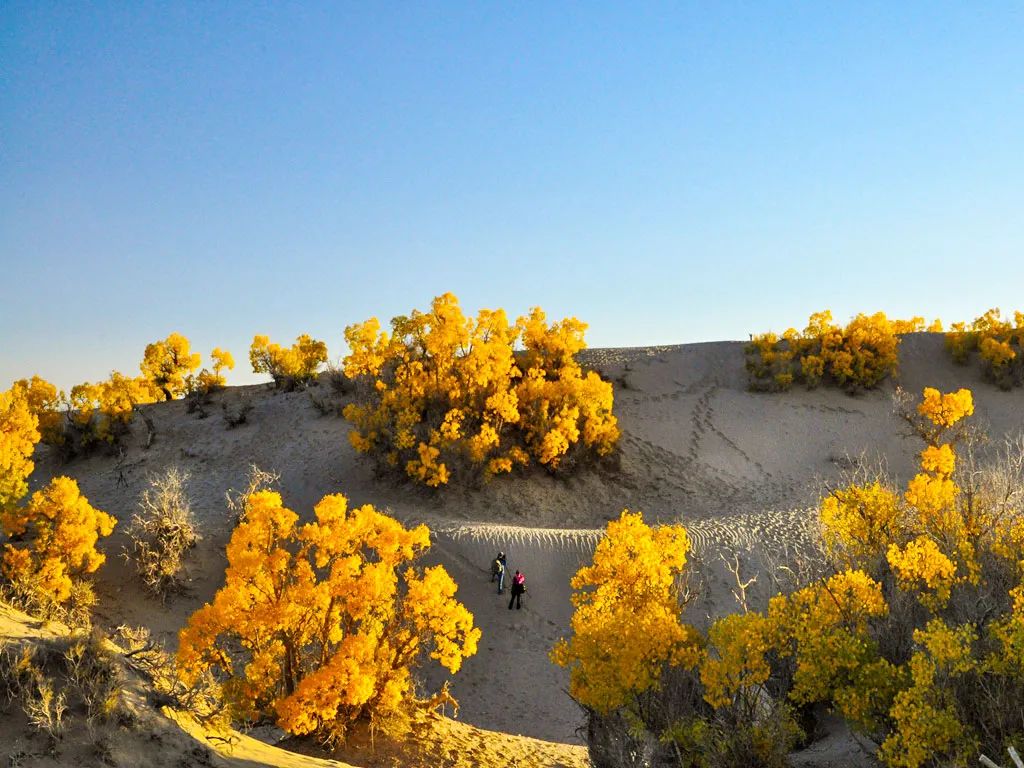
(858, 356)
(321, 624)
(292, 366)
(998, 343)
(444, 391)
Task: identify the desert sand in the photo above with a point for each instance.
(743, 471)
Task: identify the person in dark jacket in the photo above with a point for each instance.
(518, 588)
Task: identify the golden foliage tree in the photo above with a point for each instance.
(51, 543)
(288, 366)
(444, 391)
(19, 434)
(101, 412)
(210, 380)
(321, 624)
(46, 403)
(627, 621)
(631, 654)
(168, 364)
(858, 356)
(998, 343)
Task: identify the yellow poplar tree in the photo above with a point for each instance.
(18, 437)
(322, 624)
(52, 541)
(626, 625)
(168, 364)
(288, 366)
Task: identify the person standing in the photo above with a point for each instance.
(498, 569)
(518, 588)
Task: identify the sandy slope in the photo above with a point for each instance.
(738, 468)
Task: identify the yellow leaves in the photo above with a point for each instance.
(921, 564)
(628, 593)
(18, 437)
(289, 367)
(446, 390)
(859, 522)
(945, 410)
(999, 344)
(44, 401)
(57, 533)
(858, 356)
(738, 645)
(939, 459)
(320, 624)
(168, 364)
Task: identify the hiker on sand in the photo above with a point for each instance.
(518, 588)
(498, 571)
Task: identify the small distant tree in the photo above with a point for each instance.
(291, 367)
(210, 380)
(322, 624)
(45, 402)
(168, 364)
(162, 532)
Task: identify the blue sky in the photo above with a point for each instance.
(665, 172)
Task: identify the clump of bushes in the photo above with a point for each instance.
(858, 356)
(914, 633)
(162, 532)
(443, 393)
(289, 367)
(998, 344)
(99, 414)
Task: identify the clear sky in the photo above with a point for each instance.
(665, 172)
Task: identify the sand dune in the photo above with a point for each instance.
(741, 470)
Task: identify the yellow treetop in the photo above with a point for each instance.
(626, 623)
(288, 366)
(168, 364)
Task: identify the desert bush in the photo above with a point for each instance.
(443, 393)
(998, 343)
(859, 356)
(52, 679)
(291, 367)
(706, 699)
(931, 666)
(322, 624)
(237, 414)
(162, 532)
(50, 547)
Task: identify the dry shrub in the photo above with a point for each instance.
(162, 533)
(258, 480)
(236, 414)
(51, 679)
